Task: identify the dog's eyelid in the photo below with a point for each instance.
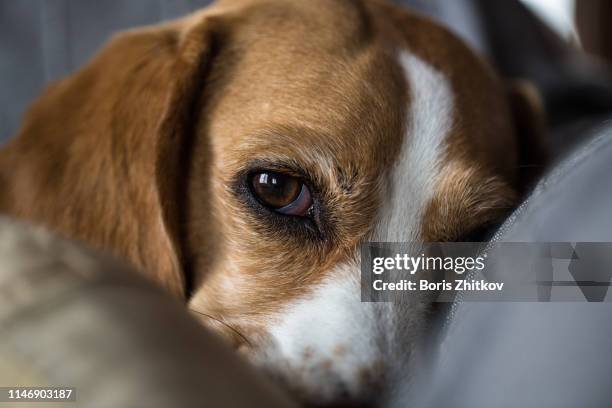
(301, 205)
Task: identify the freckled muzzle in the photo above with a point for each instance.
(329, 348)
(335, 380)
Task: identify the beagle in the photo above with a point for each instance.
(240, 155)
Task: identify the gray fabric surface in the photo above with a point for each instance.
(536, 354)
(43, 40)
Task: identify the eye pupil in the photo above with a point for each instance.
(276, 190)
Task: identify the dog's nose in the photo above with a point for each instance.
(343, 395)
(347, 404)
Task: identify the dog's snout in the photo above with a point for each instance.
(357, 389)
(364, 392)
(344, 395)
(345, 376)
(371, 403)
(329, 348)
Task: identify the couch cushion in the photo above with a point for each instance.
(536, 354)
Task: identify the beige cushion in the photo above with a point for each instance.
(70, 317)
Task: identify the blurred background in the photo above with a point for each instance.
(42, 40)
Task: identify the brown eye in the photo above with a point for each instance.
(282, 193)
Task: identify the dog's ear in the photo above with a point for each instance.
(100, 155)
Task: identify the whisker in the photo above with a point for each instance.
(242, 336)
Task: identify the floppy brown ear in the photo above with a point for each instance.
(99, 156)
(530, 127)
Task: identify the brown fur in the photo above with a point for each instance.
(137, 153)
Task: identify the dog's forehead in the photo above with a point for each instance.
(308, 84)
(330, 84)
(318, 79)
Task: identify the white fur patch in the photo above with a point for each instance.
(327, 341)
(414, 175)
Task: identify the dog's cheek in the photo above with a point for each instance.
(467, 197)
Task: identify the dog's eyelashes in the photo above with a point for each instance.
(281, 193)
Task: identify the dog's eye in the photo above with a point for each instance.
(282, 193)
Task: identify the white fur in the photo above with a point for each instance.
(306, 339)
(415, 172)
(327, 337)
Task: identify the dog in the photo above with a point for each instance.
(240, 155)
